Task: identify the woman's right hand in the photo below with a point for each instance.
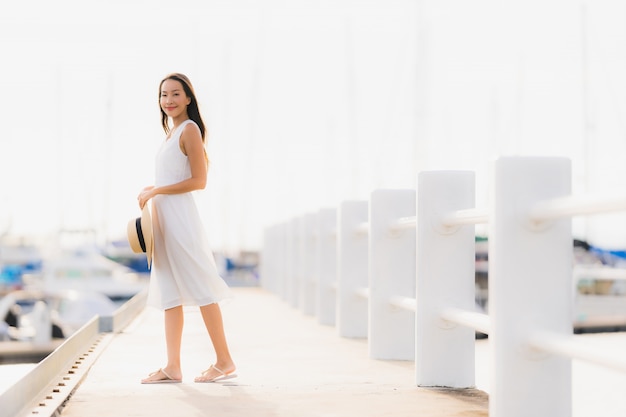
(145, 195)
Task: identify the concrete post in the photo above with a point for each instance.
(266, 261)
(282, 259)
(392, 273)
(530, 274)
(309, 270)
(352, 269)
(272, 258)
(444, 352)
(295, 257)
(327, 266)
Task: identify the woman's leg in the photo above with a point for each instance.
(174, 321)
(212, 316)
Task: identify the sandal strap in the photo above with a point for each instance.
(213, 367)
(217, 369)
(165, 373)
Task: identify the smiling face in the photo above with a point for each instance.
(173, 100)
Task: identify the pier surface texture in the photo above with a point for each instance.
(287, 365)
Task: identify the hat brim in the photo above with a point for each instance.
(139, 232)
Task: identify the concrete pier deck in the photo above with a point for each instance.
(288, 365)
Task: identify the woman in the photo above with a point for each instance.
(183, 270)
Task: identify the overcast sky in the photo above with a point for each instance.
(308, 103)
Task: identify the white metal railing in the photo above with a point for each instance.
(465, 217)
(578, 348)
(402, 223)
(46, 387)
(475, 320)
(571, 206)
(567, 345)
(363, 292)
(405, 303)
(405, 280)
(362, 228)
(599, 272)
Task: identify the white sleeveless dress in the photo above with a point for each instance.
(183, 267)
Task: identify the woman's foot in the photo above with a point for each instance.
(163, 377)
(216, 374)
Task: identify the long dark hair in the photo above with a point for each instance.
(193, 110)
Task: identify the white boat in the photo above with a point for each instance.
(34, 323)
(86, 270)
(63, 312)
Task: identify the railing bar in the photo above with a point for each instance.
(599, 272)
(409, 222)
(362, 228)
(362, 292)
(576, 205)
(405, 303)
(473, 319)
(465, 217)
(577, 348)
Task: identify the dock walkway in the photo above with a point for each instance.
(288, 365)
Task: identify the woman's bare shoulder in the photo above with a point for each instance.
(191, 126)
(191, 131)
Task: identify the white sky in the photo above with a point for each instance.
(308, 103)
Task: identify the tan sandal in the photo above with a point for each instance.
(221, 377)
(167, 380)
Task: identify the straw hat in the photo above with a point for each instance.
(139, 232)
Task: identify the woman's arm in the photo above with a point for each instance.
(191, 145)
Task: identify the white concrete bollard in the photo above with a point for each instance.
(295, 264)
(309, 272)
(530, 274)
(352, 269)
(281, 259)
(391, 332)
(266, 260)
(270, 268)
(444, 352)
(327, 266)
